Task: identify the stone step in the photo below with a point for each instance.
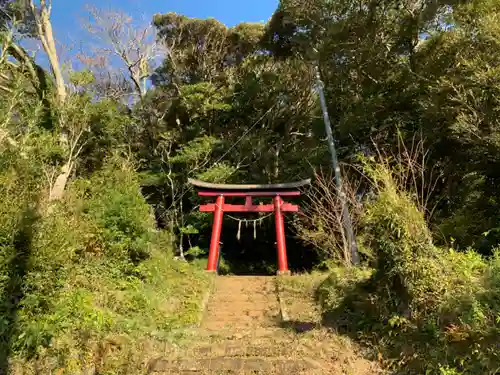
(227, 301)
(203, 334)
(217, 365)
(245, 320)
(252, 306)
(255, 332)
(240, 348)
(233, 327)
(241, 313)
(236, 317)
(224, 313)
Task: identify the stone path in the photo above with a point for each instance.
(242, 303)
(242, 333)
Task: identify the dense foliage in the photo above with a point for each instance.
(422, 308)
(97, 218)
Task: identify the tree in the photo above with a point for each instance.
(43, 25)
(134, 45)
(109, 82)
(54, 94)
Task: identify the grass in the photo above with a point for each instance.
(98, 290)
(298, 284)
(122, 325)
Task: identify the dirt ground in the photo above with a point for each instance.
(243, 332)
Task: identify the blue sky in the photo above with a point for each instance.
(66, 14)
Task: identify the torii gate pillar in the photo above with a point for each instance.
(279, 207)
(280, 235)
(213, 255)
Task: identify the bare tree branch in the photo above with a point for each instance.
(134, 45)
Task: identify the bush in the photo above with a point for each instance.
(341, 282)
(408, 266)
(98, 269)
(123, 220)
(426, 310)
(19, 191)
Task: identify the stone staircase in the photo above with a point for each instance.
(241, 303)
(242, 333)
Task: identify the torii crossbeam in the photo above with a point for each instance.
(279, 207)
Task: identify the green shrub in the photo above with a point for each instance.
(98, 269)
(340, 283)
(426, 310)
(408, 266)
(123, 220)
(20, 178)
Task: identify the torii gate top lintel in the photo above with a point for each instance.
(249, 188)
(248, 191)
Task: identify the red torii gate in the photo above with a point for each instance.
(276, 191)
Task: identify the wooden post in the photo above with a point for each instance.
(280, 236)
(213, 255)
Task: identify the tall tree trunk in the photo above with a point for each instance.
(136, 81)
(59, 186)
(53, 58)
(46, 35)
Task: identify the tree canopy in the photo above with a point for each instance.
(414, 83)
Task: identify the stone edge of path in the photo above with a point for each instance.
(280, 295)
(206, 298)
